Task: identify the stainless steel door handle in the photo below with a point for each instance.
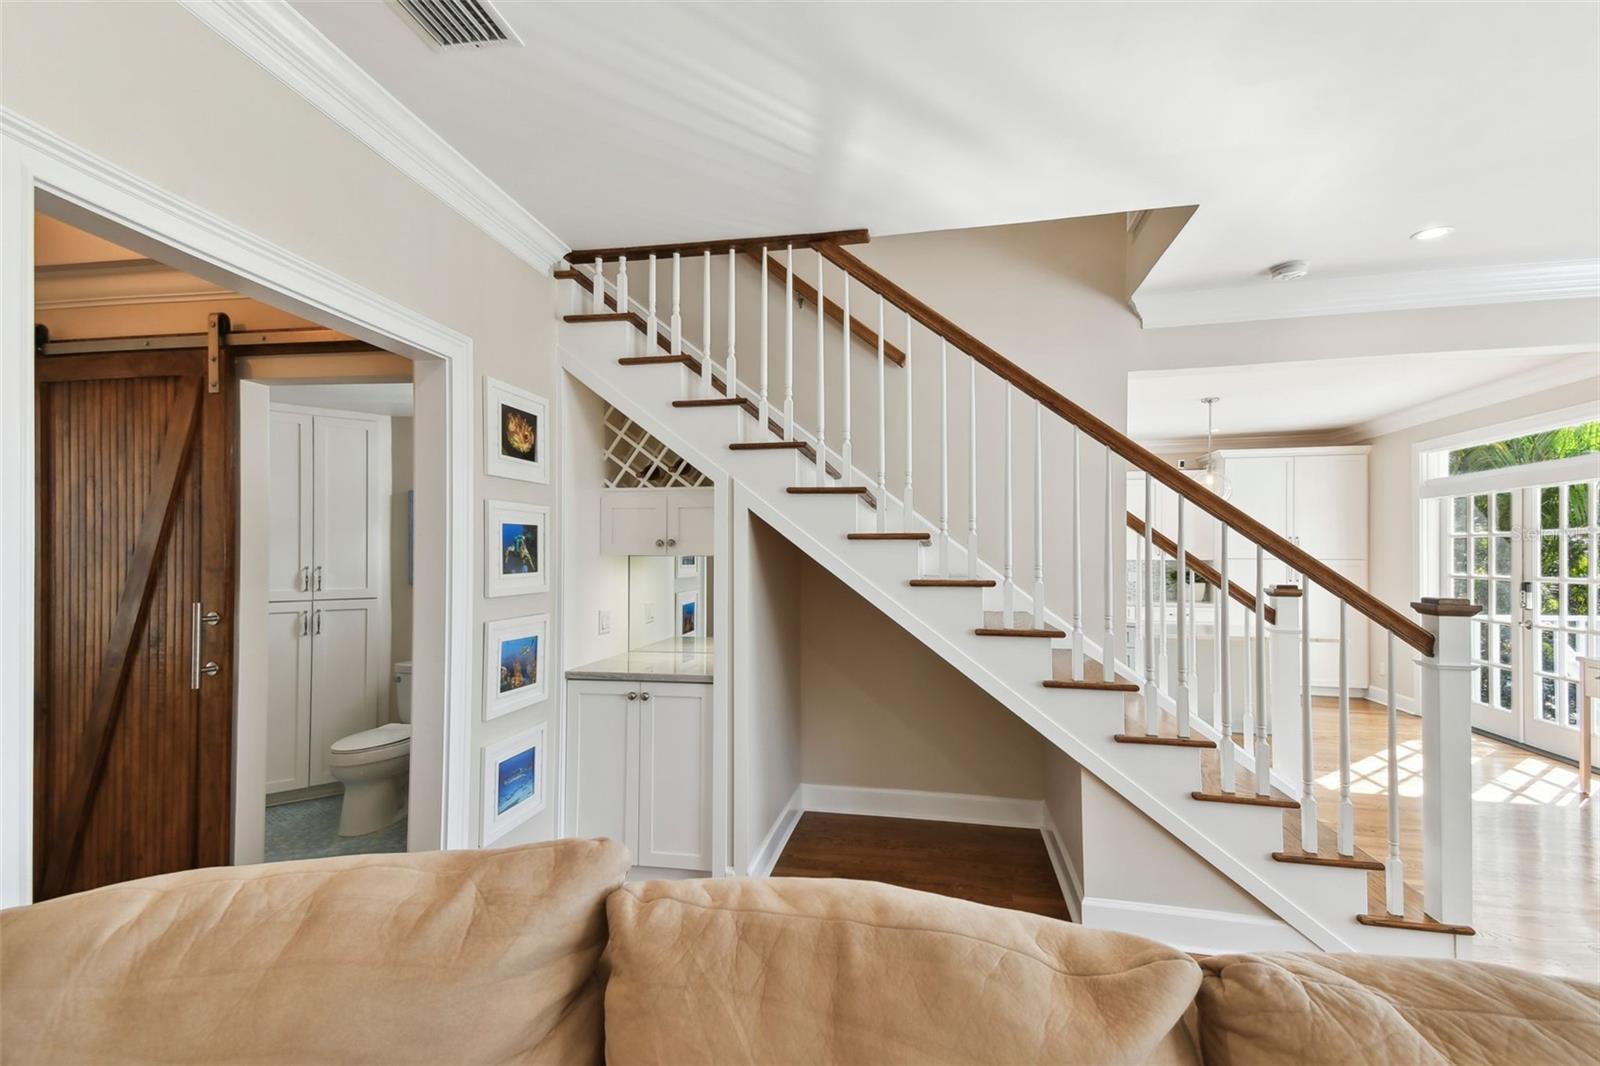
(194, 646)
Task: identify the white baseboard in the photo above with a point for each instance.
(1381, 695)
(765, 857)
(1202, 932)
(1067, 878)
(927, 806)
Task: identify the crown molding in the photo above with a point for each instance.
(121, 283)
(1462, 286)
(286, 45)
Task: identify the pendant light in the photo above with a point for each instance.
(1208, 475)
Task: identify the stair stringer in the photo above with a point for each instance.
(1236, 840)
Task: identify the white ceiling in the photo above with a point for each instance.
(1321, 395)
(1327, 132)
(373, 398)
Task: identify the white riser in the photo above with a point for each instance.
(1236, 839)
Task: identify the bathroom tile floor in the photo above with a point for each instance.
(309, 829)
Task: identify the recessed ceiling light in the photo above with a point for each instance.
(1433, 233)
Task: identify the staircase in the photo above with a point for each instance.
(1229, 777)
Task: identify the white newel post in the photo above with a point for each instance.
(1283, 673)
(1445, 696)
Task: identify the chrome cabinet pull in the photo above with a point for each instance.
(633, 695)
(644, 696)
(660, 543)
(318, 627)
(319, 578)
(305, 623)
(305, 579)
(671, 541)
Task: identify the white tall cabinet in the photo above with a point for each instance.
(328, 618)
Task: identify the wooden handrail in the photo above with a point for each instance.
(643, 251)
(1202, 569)
(1135, 453)
(806, 291)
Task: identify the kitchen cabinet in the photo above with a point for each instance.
(657, 522)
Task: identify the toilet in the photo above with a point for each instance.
(374, 767)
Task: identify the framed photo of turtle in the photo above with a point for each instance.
(514, 555)
(516, 426)
(514, 673)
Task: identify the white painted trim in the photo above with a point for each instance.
(1260, 299)
(36, 164)
(1522, 383)
(1513, 427)
(1067, 876)
(1572, 468)
(1377, 695)
(1203, 932)
(927, 806)
(287, 46)
(765, 855)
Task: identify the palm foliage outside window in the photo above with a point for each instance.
(1563, 443)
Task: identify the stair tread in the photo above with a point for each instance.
(1345, 862)
(766, 445)
(655, 360)
(603, 316)
(719, 401)
(1093, 674)
(827, 490)
(888, 536)
(1247, 799)
(952, 583)
(1423, 924)
(1022, 625)
(1172, 742)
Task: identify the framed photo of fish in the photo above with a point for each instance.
(514, 557)
(513, 783)
(514, 668)
(516, 426)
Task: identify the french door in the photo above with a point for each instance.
(1526, 556)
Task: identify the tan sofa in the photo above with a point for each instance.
(541, 954)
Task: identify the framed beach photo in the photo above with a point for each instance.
(688, 566)
(688, 614)
(513, 783)
(514, 559)
(514, 667)
(516, 433)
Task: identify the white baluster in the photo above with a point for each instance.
(1224, 671)
(1394, 870)
(763, 420)
(1158, 577)
(1347, 809)
(972, 467)
(845, 458)
(1008, 589)
(788, 343)
(706, 388)
(908, 512)
(597, 295)
(732, 368)
(1263, 767)
(822, 378)
(622, 284)
(1184, 695)
(1108, 651)
(1152, 703)
(1077, 556)
(883, 436)
(650, 312)
(676, 323)
(1308, 797)
(944, 458)
(1038, 515)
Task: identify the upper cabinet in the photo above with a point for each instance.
(657, 522)
(329, 505)
(1317, 497)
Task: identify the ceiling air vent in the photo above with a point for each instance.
(459, 23)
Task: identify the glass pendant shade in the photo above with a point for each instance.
(1208, 475)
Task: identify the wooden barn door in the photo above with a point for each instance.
(134, 701)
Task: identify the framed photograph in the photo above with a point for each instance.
(514, 671)
(688, 614)
(516, 427)
(688, 566)
(514, 548)
(513, 783)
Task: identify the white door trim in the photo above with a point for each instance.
(36, 163)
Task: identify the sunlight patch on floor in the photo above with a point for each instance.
(1532, 782)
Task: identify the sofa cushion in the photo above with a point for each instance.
(1364, 1008)
(799, 970)
(432, 957)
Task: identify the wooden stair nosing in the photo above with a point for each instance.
(1087, 684)
(719, 401)
(953, 583)
(889, 536)
(999, 631)
(1429, 926)
(655, 360)
(1169, 742)
(766, 445)
(1346, 862)
(1246, 799)
(827, 490)
(605, 316)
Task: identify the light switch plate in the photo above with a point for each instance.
(649, 612)
(605, 622)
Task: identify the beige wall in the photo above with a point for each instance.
(150, 88)
(1392, 515)
(768, 729)
(880, 710)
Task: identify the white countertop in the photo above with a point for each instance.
(690, 662)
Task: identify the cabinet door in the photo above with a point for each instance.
(633, 522)
(289, 507)
(345, 679)
(1330, 505)
(1324, 617)
(691, 528)
(288, 696)
(1260, 490)
(674, 777)
(349, 509)
(603, 784)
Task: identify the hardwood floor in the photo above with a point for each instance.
(996, 865)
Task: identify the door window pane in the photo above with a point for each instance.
(1502, 556)
(1549, 556)
(1458, 513)
(1578, 555)
(1577, 599)
(1504, 636)
(1503, 692)
(1578, 504)
(1502, 599)
(1502, 512)
(1458, 555)
(1547, 698)
(1480, 514)
(1550, 507)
